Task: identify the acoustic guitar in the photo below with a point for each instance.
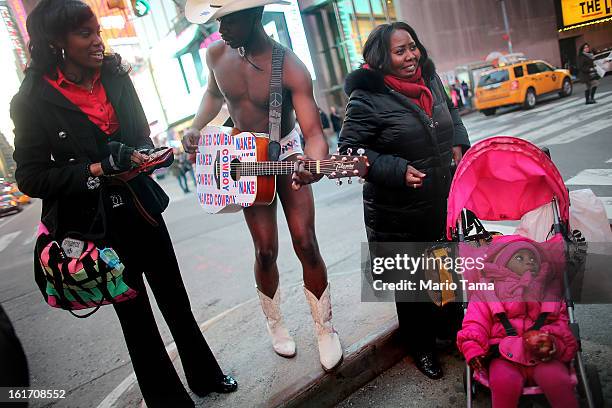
(233, 171)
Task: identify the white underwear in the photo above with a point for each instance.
(290, 145)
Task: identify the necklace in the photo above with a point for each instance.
(242, 53)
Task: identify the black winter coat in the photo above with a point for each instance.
(55, 142)
(585, 67)
(395, 133)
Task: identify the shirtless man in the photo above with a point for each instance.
(240, 69)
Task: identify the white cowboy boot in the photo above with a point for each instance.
(282, 342)
(330, 349)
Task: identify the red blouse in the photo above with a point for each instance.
(93, 103)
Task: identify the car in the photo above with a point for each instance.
(22, 198)
(520, 83)
(9, 204)
(604, 61)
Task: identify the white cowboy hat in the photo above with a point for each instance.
(202, 11)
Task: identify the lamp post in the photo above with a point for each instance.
(506, 26)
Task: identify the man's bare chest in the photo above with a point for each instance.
(240, 83)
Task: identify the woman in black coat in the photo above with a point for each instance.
(78, 120)
(399, 113)
(587, 72)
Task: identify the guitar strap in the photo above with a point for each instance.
(276, 101)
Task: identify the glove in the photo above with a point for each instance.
(119, 160)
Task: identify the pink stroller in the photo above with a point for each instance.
(501, 179)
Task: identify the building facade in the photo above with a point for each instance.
(337, 30)
(457, 34)
(7, 164)
(583, 21)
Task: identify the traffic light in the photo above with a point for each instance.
(140, 7)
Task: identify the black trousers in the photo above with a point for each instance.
(420, 320)
(146, 249)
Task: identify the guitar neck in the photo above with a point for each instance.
(277, 168)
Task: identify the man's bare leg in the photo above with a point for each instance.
(262, 224)
(261, 220)
(299, 211)
(298, 207)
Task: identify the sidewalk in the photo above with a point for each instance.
(240, 342)
(171, 186)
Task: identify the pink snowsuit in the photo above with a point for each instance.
(516, 296)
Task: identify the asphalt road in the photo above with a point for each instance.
(87, 357)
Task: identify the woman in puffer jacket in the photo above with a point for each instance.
(400, 115)
(519, 331)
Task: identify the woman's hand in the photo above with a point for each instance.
(414, 178)
(121, 158)
(457, 154)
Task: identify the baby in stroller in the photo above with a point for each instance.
(518, 334)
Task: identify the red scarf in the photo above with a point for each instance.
(413, 87)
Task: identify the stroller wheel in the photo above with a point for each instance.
(594, 384)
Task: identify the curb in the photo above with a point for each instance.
(363, 362)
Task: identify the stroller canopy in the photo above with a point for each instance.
(502, 178)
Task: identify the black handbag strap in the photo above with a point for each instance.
(276, 101)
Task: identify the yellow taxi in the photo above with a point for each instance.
(519, 83)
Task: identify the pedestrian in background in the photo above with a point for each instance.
(456, 96)
(336, 122)
(77, 120)
(324, 120)
(178, 170)
(187, 169)
(465, 92)
(587, 72)
(400, 114)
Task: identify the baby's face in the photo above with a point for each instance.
(523, 261)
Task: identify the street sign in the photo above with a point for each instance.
(576, 12)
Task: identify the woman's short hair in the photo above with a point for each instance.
(52, 20)
(377, 49)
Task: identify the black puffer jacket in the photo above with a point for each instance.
(395, 132)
